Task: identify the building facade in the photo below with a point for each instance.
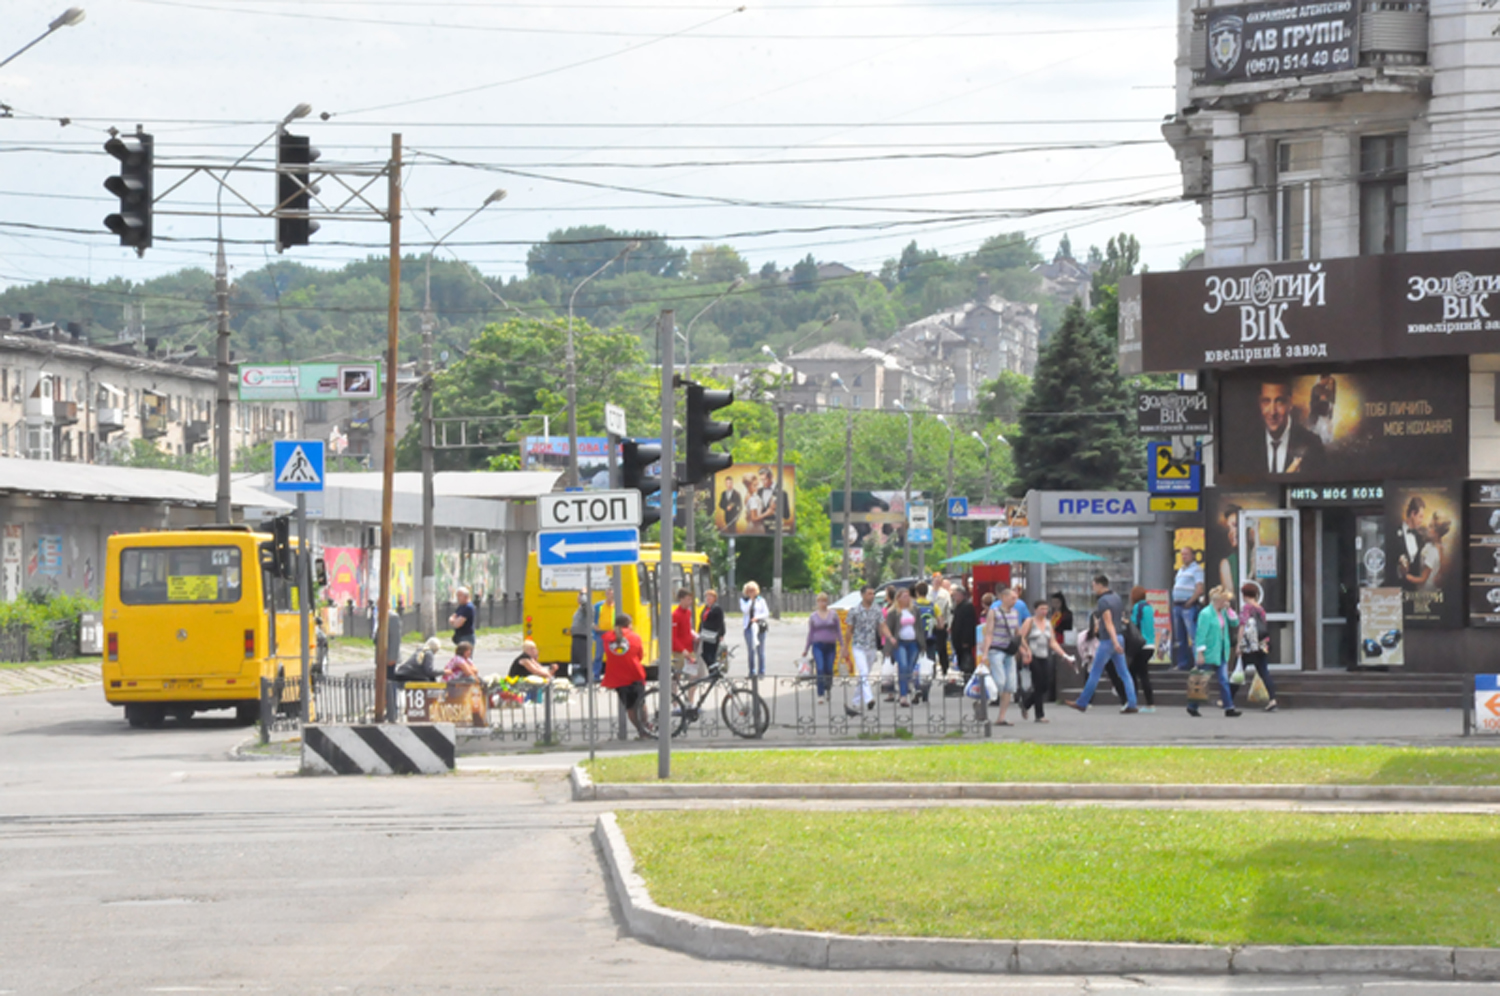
(1341, 323)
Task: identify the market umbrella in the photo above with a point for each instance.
(1022, 550)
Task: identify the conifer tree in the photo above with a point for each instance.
(1075, 430)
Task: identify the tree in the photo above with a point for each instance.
(1007, 251)
(1074, 433)
(805, 273)
(1121, 256)
(1064, 248)
(716, 265)
(769, 271)
(570, 254)
(1003, 398)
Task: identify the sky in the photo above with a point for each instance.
(839, 128)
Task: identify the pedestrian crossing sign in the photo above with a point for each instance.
(297, 464)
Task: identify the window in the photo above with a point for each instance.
(835, 401)
(179, 575)
(859, 401)
(1298, 231)
(1382, 194)
(317, 412)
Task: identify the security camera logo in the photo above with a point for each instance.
(1224, 45)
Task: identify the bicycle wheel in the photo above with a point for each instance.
(680, 716)
(745, 713)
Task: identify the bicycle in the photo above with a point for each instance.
(744, 712)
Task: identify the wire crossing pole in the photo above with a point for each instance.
(388, 467)
(304, 605)
(664, 591)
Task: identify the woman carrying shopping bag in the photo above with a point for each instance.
(1255, 642)
(1038, 644)
(903, 632)
(1213, 648)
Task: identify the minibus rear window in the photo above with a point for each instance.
(187, 575)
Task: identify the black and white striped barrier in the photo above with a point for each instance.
(389, 749)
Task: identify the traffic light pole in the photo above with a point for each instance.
(388, 467)
(848, 489)
(664, 334)
(776, 543)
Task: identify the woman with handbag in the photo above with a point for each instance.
(1255, 640)
(1038, 644)
(1140, 640)
(1001, 647)
(903, 632)
(711, 629)
(1213, 648)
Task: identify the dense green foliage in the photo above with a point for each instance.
(44, 615)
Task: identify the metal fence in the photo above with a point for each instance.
(490, 612)
(559, 713)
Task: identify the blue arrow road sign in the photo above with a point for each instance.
(580, 547)
(958, 508)
(297, 464)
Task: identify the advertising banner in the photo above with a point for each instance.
(1345, 423)
(877, 517)
(1266, 41)
(1172, 413)
(1422, 550)
(1342, 310)
(1160, 601)
(744, 498)
(1484, 553)
(1380, 627)
(345, 566)
(309, 382)
(1221, 544)
(551, 453)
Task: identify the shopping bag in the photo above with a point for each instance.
(1237, 676)
(1024, 677)
(1197, 685)
(805, 668)
(925, 667)
(1258, 693)
(975, 688)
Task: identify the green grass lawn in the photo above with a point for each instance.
(1063, 873)
(1018, 762)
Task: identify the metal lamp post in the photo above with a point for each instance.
(906, 533)
(572, 358)
(427, 598)
(948, 499)
(66, 19)
(986, 446)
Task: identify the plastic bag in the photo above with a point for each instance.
(1237, 676)
(805, 667)
(1258, 693)
(1197, 685)
(975, 688)
(925, 667)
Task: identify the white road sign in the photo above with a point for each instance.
(614, 420)
(589, 510)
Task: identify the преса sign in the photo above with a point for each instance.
(1351, 309)
(1262, 41)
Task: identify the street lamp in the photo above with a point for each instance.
(427, 600)
(66, 19)
(630, 247)
(906, 533)
(948, 501)
(848, 480)
(687, 334)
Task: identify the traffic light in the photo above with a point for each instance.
(702, 432)
(133, 187)
(294, 190)
(636, 460)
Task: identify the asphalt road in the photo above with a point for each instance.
(148, 861)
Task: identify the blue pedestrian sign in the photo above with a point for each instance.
(958, 508)
(581, 547)
(297, 464)
(1167, 475)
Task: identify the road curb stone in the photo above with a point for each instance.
(716, 940)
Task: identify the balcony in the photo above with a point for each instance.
(65, 412)
(39, 410)
(195, 433)
(110, 419)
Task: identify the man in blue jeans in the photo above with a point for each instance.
(1109, 614)
(1187, 589)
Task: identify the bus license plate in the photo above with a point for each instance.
(175, 683)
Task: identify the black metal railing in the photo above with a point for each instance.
(490, 612)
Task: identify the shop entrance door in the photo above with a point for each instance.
(1351, 556)
(1272, 558)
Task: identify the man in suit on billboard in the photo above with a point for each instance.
(1289, 448)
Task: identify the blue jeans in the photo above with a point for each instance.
(1184, 631)
(823, 657)
(1103, 656)
(906, 664)
(755, 640)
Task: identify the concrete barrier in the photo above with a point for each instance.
(386, 749)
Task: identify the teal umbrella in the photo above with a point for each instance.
(1022, 550)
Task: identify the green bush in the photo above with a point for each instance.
(42, 615)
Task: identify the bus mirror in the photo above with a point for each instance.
(320, 573)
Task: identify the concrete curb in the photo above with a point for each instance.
(586, 790)
(716, 940)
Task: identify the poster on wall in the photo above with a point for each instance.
(1422, 523)
(1484, 553)
(876, 517)
(1281, 38)
(1160, 601)
(1221, 543)
(345, 565)
(1345, 423)
(1381, 626)
(49, 554)
(744, 500)
(10, 564)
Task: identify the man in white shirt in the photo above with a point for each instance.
(1187, 588)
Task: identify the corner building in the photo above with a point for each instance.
(1344, 320)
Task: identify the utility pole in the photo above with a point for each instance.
(848, 490)
(428, 595)
(776, 547)
(948, 498)
(221, 404)
(388, 468)
(906, 533)
(664, 593)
